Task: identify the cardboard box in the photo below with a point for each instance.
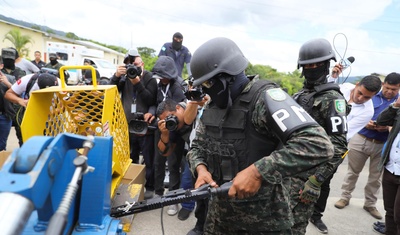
(3, 157)
(131, 189)
(136, 174)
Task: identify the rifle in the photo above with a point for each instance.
(170, 198)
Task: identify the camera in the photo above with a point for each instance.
(195, 94)
(132, 71)
(171, 122)
(137, 125)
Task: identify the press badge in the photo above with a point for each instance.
(133, 106)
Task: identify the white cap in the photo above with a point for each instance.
(131, 52)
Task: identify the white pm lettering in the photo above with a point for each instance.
(299, 111)
(281, 115)
(337, 121)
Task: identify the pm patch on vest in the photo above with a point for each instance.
(337, 120)
(286, 115)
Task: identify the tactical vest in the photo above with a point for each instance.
(336, 120)
(306, 97)
(234, 144)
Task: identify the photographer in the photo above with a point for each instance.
(169, 87)
(138, 91)
(175, 125)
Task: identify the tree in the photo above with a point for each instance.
(147, 52)
(71, 36)
(289, 81)
(19, 41)
(35, 26)
(148, 56)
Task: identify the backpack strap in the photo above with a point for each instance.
(30, 84)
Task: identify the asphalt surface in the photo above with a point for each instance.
(353, 219)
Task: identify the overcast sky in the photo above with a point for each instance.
(269, 32)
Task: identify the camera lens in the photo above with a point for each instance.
(171, 123)
(133, 71)
(137, 127)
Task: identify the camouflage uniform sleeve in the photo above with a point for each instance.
(321, 115)
(305, 149)
(196, 154)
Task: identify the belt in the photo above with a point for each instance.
(391, 173)
(372, 140)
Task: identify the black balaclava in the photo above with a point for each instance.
(175, 44)
(9, 63)
(240, 81)
(219, 92)
(226, 89)
(316, 76)
(53, 61)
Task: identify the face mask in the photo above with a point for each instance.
(9, 64)
(315, 74)
(53, 62)
(219, 93)
(176, 45)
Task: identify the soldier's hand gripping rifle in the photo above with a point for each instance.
(171, 198)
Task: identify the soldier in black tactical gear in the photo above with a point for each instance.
(326, 104)
(253, 134)
(13, 73)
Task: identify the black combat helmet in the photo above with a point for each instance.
(315, 51)
(218, 55)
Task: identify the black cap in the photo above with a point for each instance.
(8, 53)
(53, 55)
(46, 80)
(88, 75)
(177, 35)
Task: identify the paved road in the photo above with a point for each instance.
(350, 220)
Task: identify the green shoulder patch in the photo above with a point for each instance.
(340, 106)
(276, 94)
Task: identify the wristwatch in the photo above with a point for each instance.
(393, 107)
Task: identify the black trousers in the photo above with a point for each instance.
(391, 202)
(174, 165)
(145, 145)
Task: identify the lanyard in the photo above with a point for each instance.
(166, 91)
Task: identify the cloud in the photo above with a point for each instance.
(268, 32)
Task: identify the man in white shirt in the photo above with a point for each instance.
(18, 93)
(359, 96)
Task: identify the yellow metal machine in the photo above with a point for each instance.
(85, 110)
